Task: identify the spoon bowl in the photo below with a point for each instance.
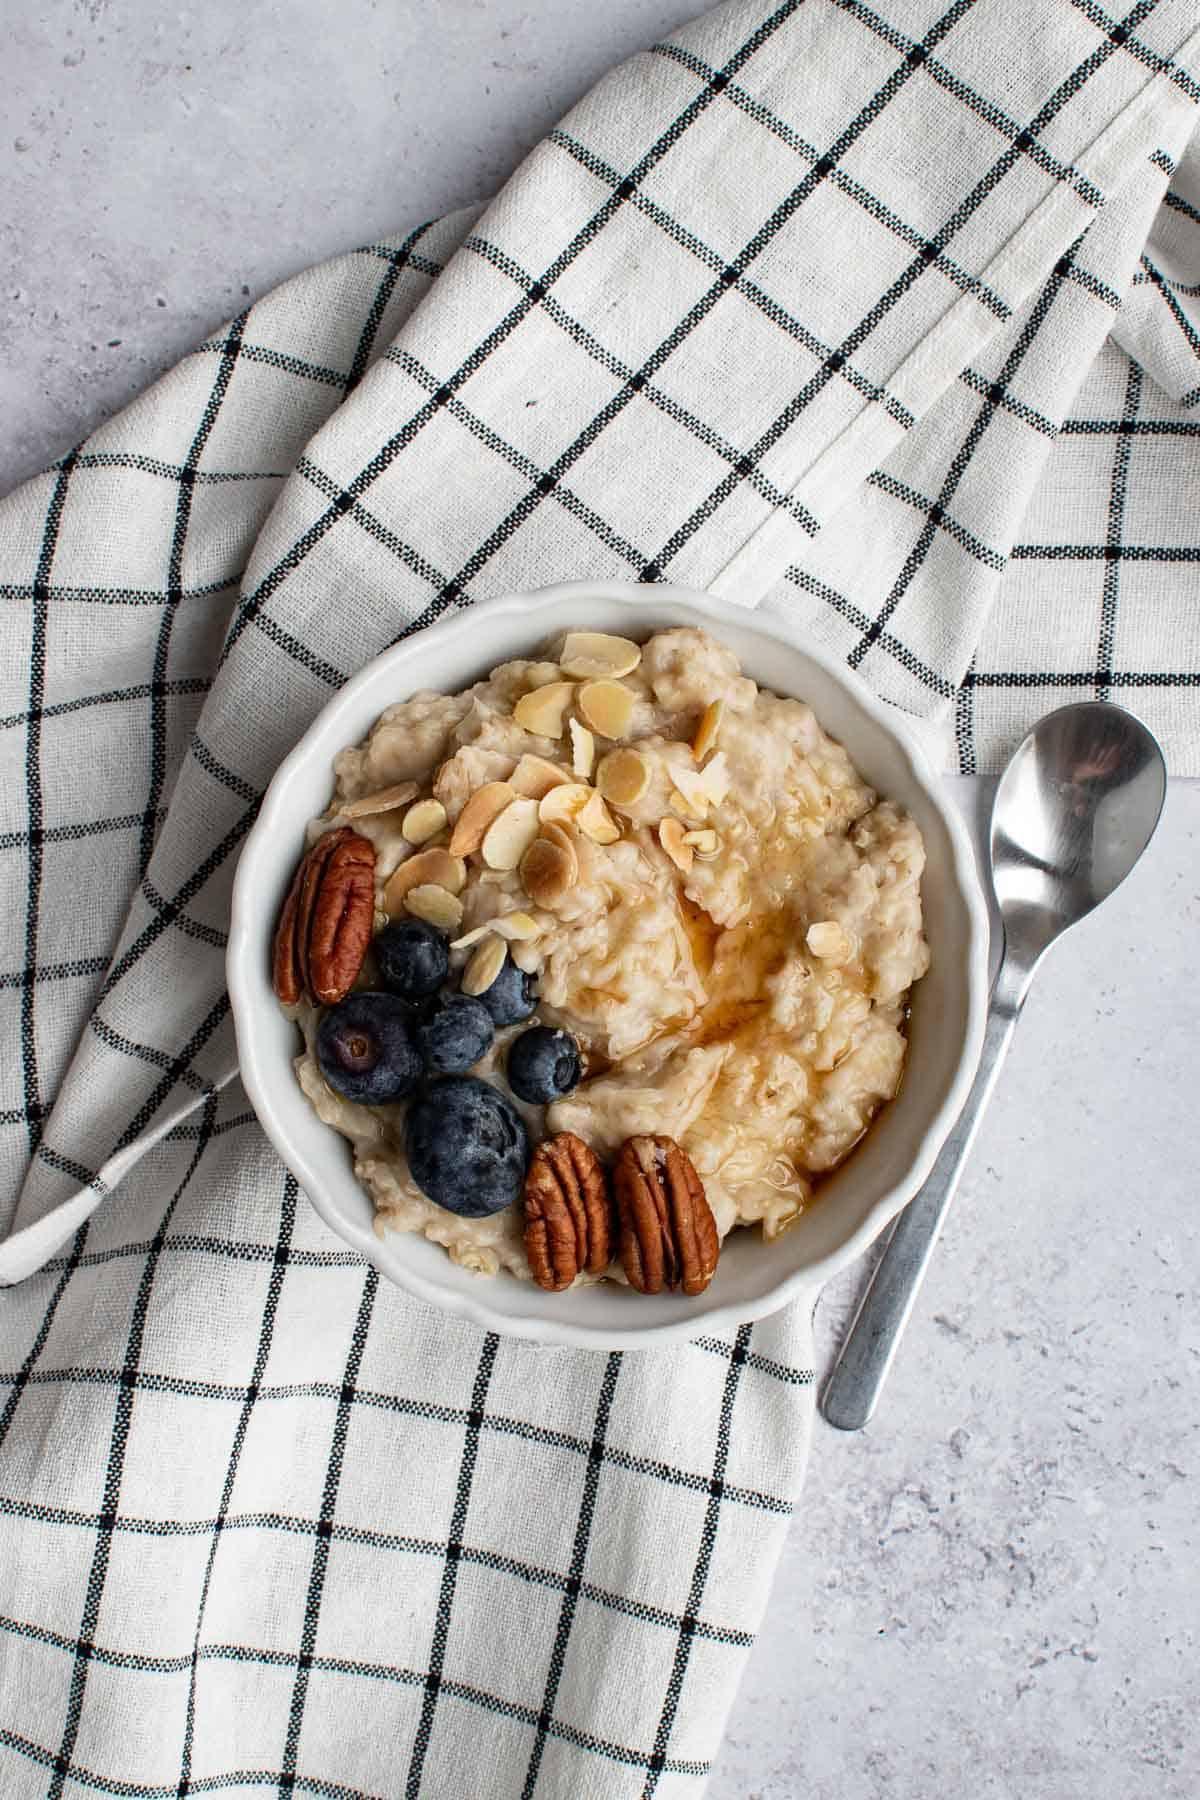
(1074, 811)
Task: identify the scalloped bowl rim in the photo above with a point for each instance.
(302, 782)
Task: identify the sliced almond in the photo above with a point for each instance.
(827, 940)
(670, 836)
(423, 821)
(542, 711)
(510, 834)
(596, 822)
(590, 654)
(484, 966)
(562, 805)
(583, 751)
(708, 730)
(473, 821)
(472, 937)
(384, 801)
(434, 905)
(437, 868)
(527, 957)
(693, 795)
(685, 808)
(704, 843)
(715, 776)
(565, 838)
(623, 777)
(607, 707)
(516, 927)
(548, 871)
(536, 775)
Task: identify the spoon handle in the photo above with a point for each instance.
(872, 1341)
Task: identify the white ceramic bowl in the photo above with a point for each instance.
(948, 1009)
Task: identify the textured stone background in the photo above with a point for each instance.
(993, 1591)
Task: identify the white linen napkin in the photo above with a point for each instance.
(883, 321)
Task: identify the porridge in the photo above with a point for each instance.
(600, 959)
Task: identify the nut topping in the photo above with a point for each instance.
(562, 805)
(483, 806)
(708, 730)
(673, 839)
(423, 821)
(623, 777)
(542, 711)
(568, 1214)
(583, 751)
(383, 801)
(668, 1236)
(534, 776)
(428, 868)
(484, 966)
(588, 654)
(510, 834)
(548, 871)
(596, 822)
(607, 707)
(327, 920)
(435, 905)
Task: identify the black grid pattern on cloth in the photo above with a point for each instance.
(232, 1462)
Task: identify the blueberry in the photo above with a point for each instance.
(366, 1051)
(413, 958)
(543, 1065)
(512, 996)
(467, 1146)
(455, 1037)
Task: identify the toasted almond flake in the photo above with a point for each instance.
(564, 804)
(715, 776)
(707, 730)
(690, 785)
(589, 654)
(428, 867)
(435, 906)
(510, 834)
(484, 966)
(623, 777)
(827, 940)
(541, 674)
(516, 927)
(693, 812)
(607, 707)
(565, 838)
(583, 751)
(384, 801)
(548, 871)
(472, 937)
(704, 843)
(423, 821)
(536, 775)
(527, 957)
(596, 822)
(473, 821)
(542, 711)
(670, 836)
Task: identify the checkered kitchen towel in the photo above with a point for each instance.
(884, 321)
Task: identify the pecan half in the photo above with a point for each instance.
(326, 922)
(668, 1234)
(568, 1213)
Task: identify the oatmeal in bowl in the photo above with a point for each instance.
(600, 960)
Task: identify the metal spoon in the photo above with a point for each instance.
(1074, 810)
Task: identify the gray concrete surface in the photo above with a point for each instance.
(993, 1591)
